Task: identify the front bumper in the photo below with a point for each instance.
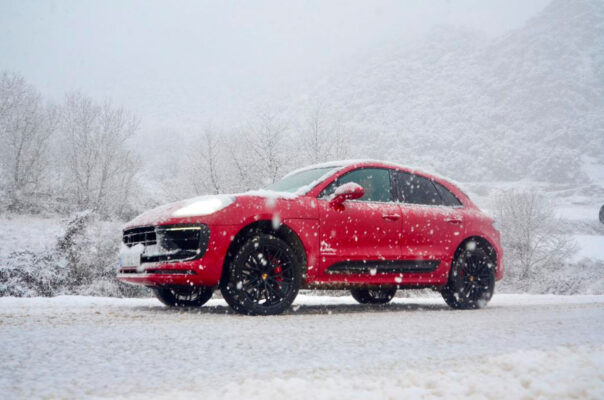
(204, 269)
(173, 273)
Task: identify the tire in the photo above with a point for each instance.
(373, 296)
(264, 277)
(183, 296)
(602, 215)
(471, 280)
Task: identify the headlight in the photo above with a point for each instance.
(203, 206)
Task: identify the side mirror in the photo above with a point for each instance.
(348, 191)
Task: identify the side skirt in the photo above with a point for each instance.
(348, 286)
(374, 267)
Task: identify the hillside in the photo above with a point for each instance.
(527, 105)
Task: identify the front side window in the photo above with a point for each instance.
(375, 181)
(415, 189)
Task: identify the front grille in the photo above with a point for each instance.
(145, 235)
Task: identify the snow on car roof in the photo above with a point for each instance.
(347, 163)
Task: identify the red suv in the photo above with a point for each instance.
(371, 227)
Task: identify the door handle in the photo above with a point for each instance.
(391, 217)
(454, 220)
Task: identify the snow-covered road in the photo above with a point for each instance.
(325, 347)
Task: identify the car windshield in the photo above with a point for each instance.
(295, 182)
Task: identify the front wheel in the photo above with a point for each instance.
(373, 296)
(183, 296)
(471, 281)
(263, 278)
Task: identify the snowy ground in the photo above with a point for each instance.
(520, 346)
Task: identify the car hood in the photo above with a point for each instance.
(187, 209)
(210, 207)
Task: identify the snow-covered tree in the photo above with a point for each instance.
(323, 136)
(99, 167)
(205, 163)
(267, 141)
(26, 126)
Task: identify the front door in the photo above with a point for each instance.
(362, 235)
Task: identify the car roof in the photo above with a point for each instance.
(347, 165)
(350, 164)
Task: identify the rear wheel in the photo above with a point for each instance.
(264, 277)
(471, 281)
(183, 296)
(373, 296)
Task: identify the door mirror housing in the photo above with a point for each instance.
(347, 191)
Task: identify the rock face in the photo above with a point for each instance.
(529, 104)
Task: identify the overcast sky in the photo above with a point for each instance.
(188, 60)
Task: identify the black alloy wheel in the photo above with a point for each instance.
(471, 280)
(264, 277)
(373, 296)
(183, 296)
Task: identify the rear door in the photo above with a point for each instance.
(363, 230)
(431, 222)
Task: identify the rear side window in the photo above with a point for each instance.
(449, 199)
(415, 189)
(375, 181)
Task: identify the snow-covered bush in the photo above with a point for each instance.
(27, 273)
(90, 247)
(582, 277)
(535, 249)
(83, 261)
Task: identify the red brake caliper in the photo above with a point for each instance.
(277, 268)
